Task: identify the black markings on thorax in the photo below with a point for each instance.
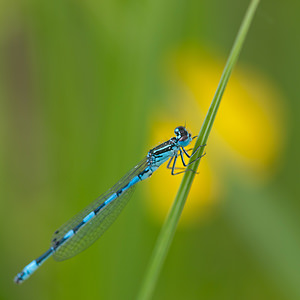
(162, 148)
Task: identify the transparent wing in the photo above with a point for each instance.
(92, 230)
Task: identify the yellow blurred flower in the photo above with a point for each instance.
(248, 132)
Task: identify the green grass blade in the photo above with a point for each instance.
(168, 230)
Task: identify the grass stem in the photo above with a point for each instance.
(168, 230)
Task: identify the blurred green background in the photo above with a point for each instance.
(83, 87)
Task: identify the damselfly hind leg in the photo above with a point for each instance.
(189, 156)
(173, 167)
(196, 159)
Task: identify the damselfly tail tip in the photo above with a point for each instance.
(19, 278)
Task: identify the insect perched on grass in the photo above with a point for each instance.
(87, 226)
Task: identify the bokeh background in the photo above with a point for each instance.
(88, 87)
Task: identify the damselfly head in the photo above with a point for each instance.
(183, 136)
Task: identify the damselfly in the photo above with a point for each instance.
(87, 226)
